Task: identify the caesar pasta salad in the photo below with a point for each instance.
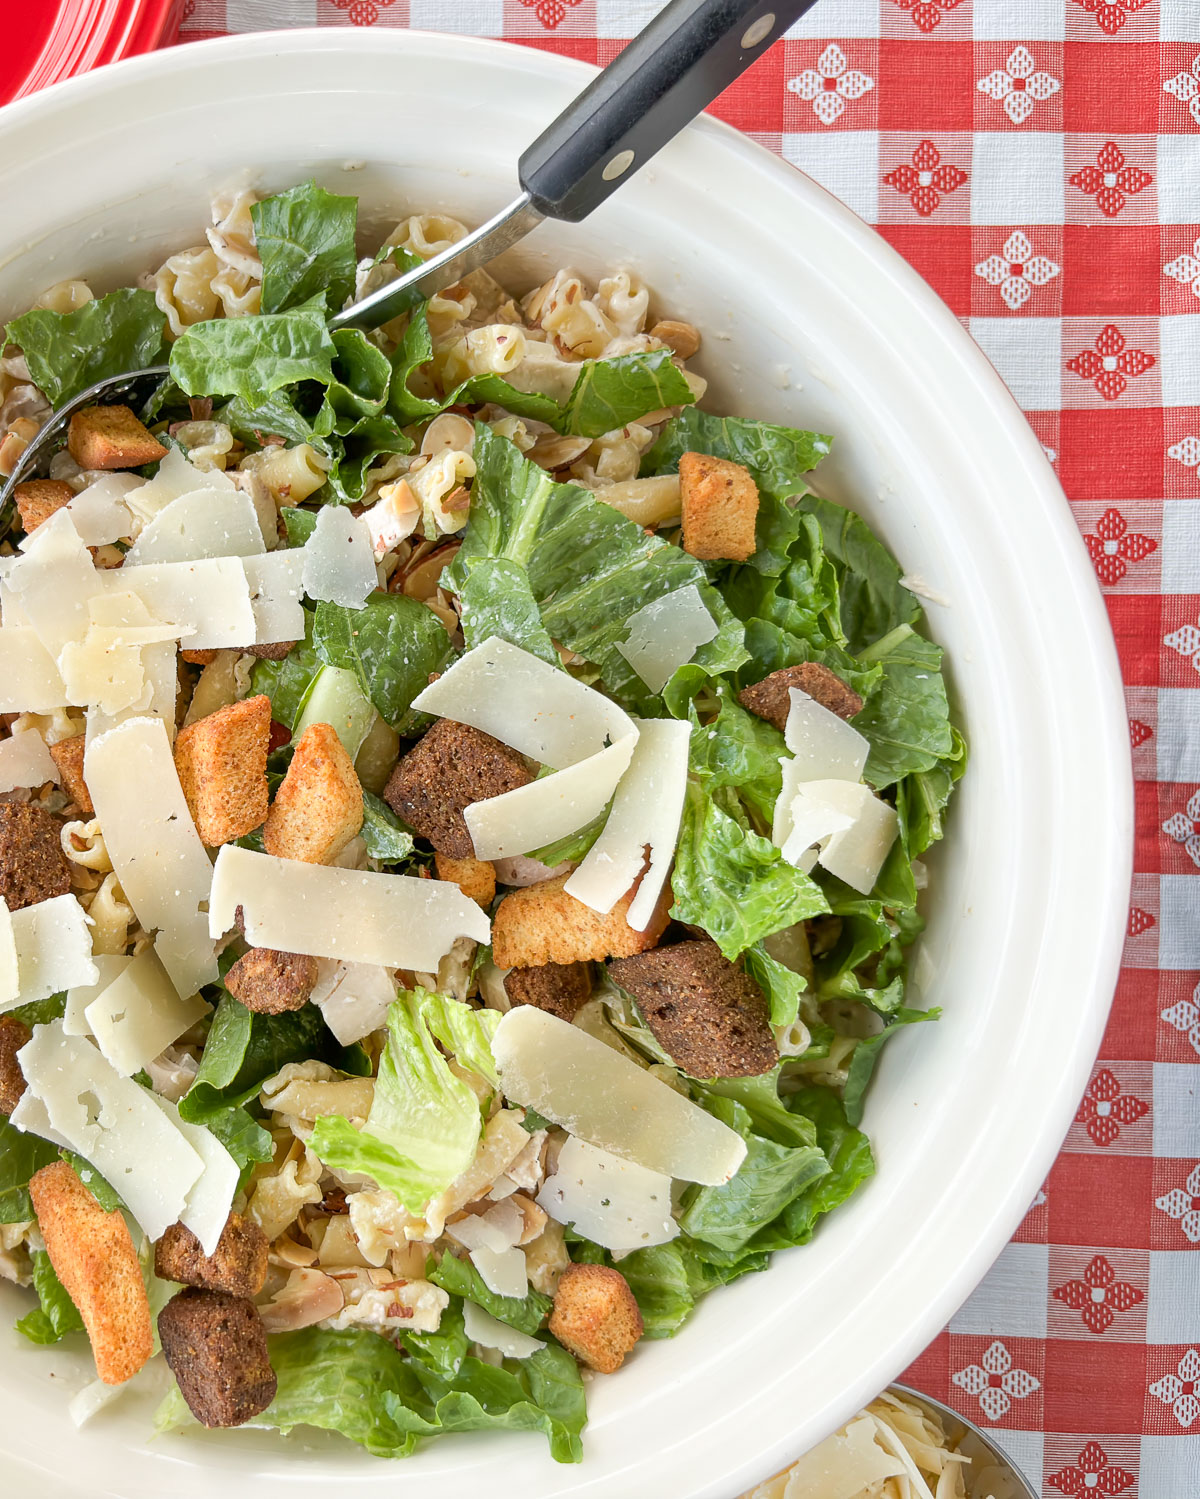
(462, 809)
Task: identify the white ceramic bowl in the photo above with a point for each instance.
(809, 319)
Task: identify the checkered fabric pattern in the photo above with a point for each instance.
(1038, 162)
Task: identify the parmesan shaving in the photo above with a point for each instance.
(389, 920)
(339, 559)
(173, 477)
(482, 1328)
(201, 523)
(854, 830)
(617, 1204)
(106, 667)
(665, 634)
(209, 1200)
(30, 681)
(594, 1092)
(79, 996)
(25, 761)
(353, 998)
(138, 1014)
(503, 1271)
(646, 813)
(99, 512)
(825, 746)
(276, 582)
(207, 600)
(53, 582)
(53, 948)
(155, 849)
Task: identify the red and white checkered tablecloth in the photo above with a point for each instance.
(1038, 161)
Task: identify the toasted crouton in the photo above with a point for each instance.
(270, 982)
(319, 806)
(111, 437)
(67, 754)
(274, 650)
(93, 1255)
(709, 1016)
(13, 1035)
(559, 988)
(476, 878)
(216, 1347)
(453, 766)
(32, 864)
(38, 499)
(543, 924)
(771, 698)
(198, 658)
(719, 502)
(222, 764)
(237, 1266)
(596, 1316)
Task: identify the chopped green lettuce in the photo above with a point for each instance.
(387, 839)
(69, 351)
(463, 1030)
(526, 1313)
(55, 1315)
(391, 645)
(21, 1154)
(873, 598)
(305, 239)
(497, 600)
(253, 357)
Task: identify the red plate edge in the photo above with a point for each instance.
(45, 43)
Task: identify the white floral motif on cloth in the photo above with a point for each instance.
(1020, 85)
(1186, 88)
(1178, 1390)
(1183, 1204)
(1184, 827)
(1017, 270)
(1184, 1016)
(830, 84)
(995, 1382)
(1185, 268)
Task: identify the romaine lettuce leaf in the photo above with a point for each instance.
(253, 357)
(759, 1096)
(391, 645)
(243, 1137)
(781, 985)
(55, 1315)
(68, 351)
(416, 349)
(496, 599)
(460, 1277)
(361, 375)
(424, 1124)
(866, 1055)
(848, 1152)
(906, 718)
(305, 239)
(21, 1154)
(462, 1030)
(387, 839)
(40, 1011)
(738, 749)
(288, 682)
(921, 798)
(873, 599)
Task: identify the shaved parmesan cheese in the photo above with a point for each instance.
(499, 1228)
(200, 523)
(392, 518)
(114, 1123)
(549, 808)
(25, 761)
(54, 949)
(10, 973)
(160, 688)
(209, 1201)
(353, 998)
(209, 600)
(174, 476)
(339, 560)
(665, 634)
(503, 1271)
(106, 668)
(482, 1328)
(526, 703)
(616, 1203)
(276, 582)
(602, 1097)
(852, 826)
(801, 824)
(846, 1465)
(79, 996)
(826, 747)
(152, 841)
(645, 814)
(99, 512)
(53, 581)
(138, 1014)
(30, 681)
(92, 1399)
(30, 1115)
(390, 920)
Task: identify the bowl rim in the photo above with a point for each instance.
(1099, 967)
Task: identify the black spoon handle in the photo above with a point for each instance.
(674, 69)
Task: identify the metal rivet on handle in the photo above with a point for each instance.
(620, 163)
(758, 30)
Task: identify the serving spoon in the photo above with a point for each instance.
(671, 71)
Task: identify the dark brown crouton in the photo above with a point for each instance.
(13, 1035)
(270, 982)
(596, 1316)
(476, 878)
(276, 650)
(216, 1347)
(719, 503)
(221, 761)
(38, 499)
(237, 1266)
(710, 1018)
(771, 698)
(93, 1255)
(558, 988)
(453, 766)
(32, 865)
(67, 754)
(543, 924)
(111, 437)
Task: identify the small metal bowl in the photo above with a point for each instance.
(992, 1474)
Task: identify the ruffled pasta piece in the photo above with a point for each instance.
(546, 1258)
(438, 488)
(281, 1190)
(83, 844)
(495, 349)
(112, 917)
(65, 296)
(564, 308)
(615, 457)
(183, 288)
(395, 1306)
(426, 234)
(208, 444)
(624, 299)
(301, 1092)
(291, 475)
(503, 1140)
(648, 502)
(240, 295)
(379, 1222)
(232, 233)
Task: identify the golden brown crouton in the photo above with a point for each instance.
(222, 764)
(596, 1316)
(476, 878)
(32, 865)
(93, 1255)
(319, 806)
(270, 982)
(38, 499)
(559, 988)
(13, 1035)
(453, 766)
(719, 502)
(216, 1347)
(111, 437)
(771, 698)
(543, 924)
(67, 754)
(237, 1266)
(198, 658)
(683, 339)
(708, 1015)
